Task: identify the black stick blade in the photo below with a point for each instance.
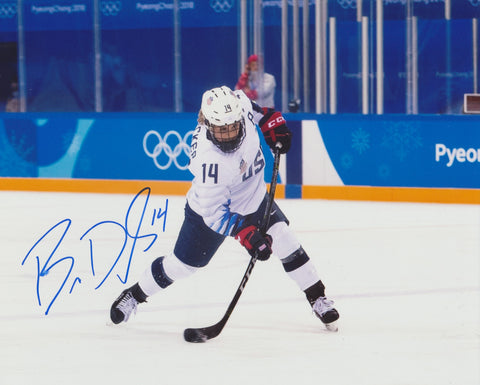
(204, 334)
(194, 335)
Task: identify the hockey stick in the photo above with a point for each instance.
(206, 333)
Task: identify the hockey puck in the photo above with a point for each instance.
(194, 335)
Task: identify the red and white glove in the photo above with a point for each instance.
(275, 130)
(256, 244)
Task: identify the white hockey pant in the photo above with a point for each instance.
(286, 247)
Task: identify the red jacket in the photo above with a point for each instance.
(242, 84)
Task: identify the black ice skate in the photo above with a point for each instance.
(323, 309)
(126, 303)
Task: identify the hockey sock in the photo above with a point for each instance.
(159, 275)
(295, 260)
(300, 268)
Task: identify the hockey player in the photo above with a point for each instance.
(228, 198)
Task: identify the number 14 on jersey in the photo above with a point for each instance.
(211, 173)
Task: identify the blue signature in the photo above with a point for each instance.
(64, 265)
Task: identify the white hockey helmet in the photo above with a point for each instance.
(223, 115)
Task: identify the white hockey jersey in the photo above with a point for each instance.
(227, 186)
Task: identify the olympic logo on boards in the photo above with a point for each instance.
(221, 5)
(163, 146)
(8, 10)
(110, 8)
(347, 3)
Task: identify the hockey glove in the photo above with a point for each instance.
(275, 130)
(255, 243)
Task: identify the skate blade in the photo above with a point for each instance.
(332, 327)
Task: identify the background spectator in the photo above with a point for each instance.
(257, 84)
(13, 100)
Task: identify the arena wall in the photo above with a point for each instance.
(422, 158)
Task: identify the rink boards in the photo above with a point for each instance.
(422, 158)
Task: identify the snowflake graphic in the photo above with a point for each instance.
(360, 140)
(401, 139)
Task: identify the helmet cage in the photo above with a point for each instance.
(221, 135)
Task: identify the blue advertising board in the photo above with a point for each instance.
(8, 16)
(123, 14)
(106, 146)
(62, 15)
(404, 151)
(362, 150)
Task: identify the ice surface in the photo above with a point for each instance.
(405, 279)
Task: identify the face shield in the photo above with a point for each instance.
(228, 137)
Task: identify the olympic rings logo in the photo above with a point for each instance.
(8, 10)
(110, 8)
(221, 5)
(163, 146)
(345, 4)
